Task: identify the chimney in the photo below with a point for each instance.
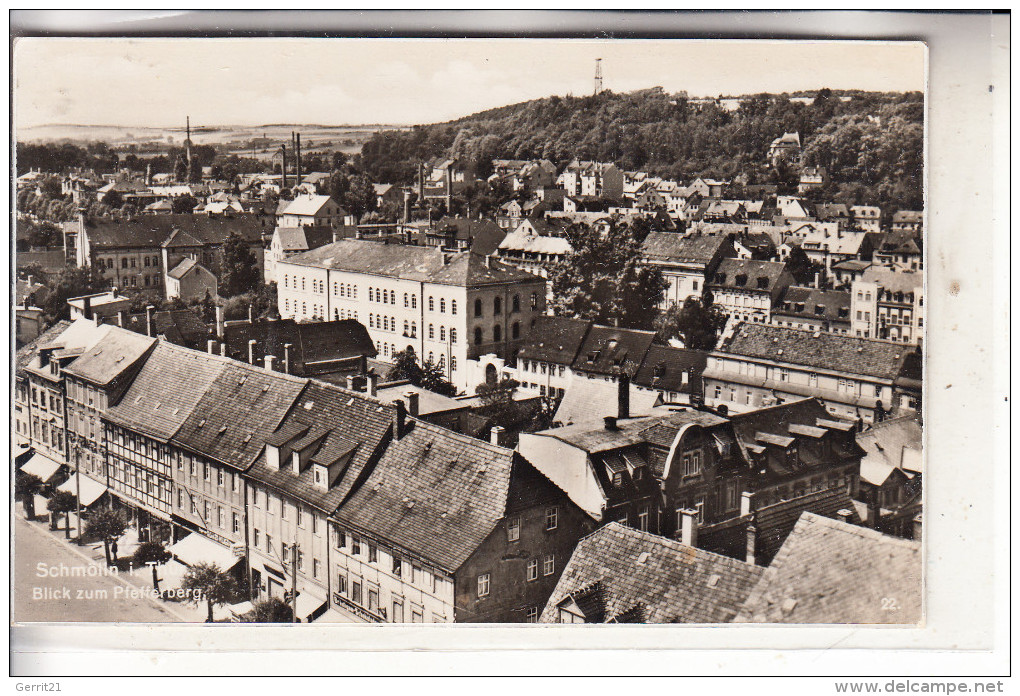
(610, 422)
(689, 527)
(269, 362)
(286, 357)
(350, 383)
(449, 190)
(251, 314)
(223, 349)
(148, 320)
(874, 514)
(488, 262)
(87, 306)
(746, 503)
(251, 351)
(446, 258)
(623, 396)
(120, 319)
(412, 402)
(752, 536)
(297, 158)
(817, 274)
(283, 149)
(210, 346)
(30, 279)
(373, 382)
(844, 515)
(148, 174)
(495, 433)
(219, 322)
(421, 182)
(399, 420)
(407, 206)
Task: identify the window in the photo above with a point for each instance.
(236, 523)
(453, 364)
(373, 554)
(406, 301)
(532, 569)
(551, 518)
(534, 300)
(396, 565)
(478, 308)
(478, 335)
(283, 509)
(414, 329)
(531, 614)
(316, 567)
(355, 546)
(219, 477)
(549, 564)
(432, 304)
(286, 554)
(642, 519)
(299, 514)
(453, 306)
(432, 332)
(513, 529)
(453, 335)
(497, 305)
(414, 300)
(497, 333)
(442, 305)
(515, 304)
(516, 330)
(483, 585)
(442, 333)
(255, 537)
(219, 516)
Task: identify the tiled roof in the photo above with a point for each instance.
(28, 351)
(832, 572)
(664, 367)
(166, 390)
(242, 406)
(148, 231)
(182, 269)
(435, 493)
(730, 271)
(607, 350)
(900, 242)
(524, 241)
(862, 356)
(774, 523)
(409, 263)
(304, 238)
(908, 216)
(105, 360)
(590, 400)
(309, 205)
(895, 442)
(485, 235)
(672, 582)
(805, 302)
(592, 436)
(181, 326)
(311, 342)
(555, 339)
(353, 423)
(894, 280)
(671, 246)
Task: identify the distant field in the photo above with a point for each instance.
(232, 139)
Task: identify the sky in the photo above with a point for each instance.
(156, 82)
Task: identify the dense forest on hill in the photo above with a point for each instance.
(872, 143)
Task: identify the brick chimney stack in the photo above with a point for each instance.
(399, 419)
(148, 320)
(689, 527)
(623, 396)
(286, 357)
(495, 434)
(413, 403)
(251, 351)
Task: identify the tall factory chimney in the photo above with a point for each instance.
(187, 144)
(297, 159)
(283, 149)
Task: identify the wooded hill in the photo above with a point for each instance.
(872, 144)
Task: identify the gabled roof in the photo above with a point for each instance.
(862, 356)
(894, 280)
(760, 276)
(110, 356)
(664, 366)
(669, 581)
(311, 342)
(671, 246)
(592, 436)
(27, 352)
(607, 350)
(813, 303)
(166, 390)
(484, 235)
(183, 268)
(150, 231)
(774, 523)
(434, 493)
(893, 443)
(304, 238)
(555, 339)
(900, 242)
(241, 407)
(309, 205)
(831, 572)
(182, 327)
(590, 400)
(346, 424)
(523, 241)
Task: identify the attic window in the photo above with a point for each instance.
(176, 411)
(741, 279)
(138, 398)
(120, 359)
(98, 351)
(763, 283)
(819, 309)
(265, 388)
(156, 407)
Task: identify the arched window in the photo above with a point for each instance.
(406, 303)
(497, 333)
(497, 305)
(453, 306)
(371, 321)
(516, 330)
(147, 261)
(304, 309)
(431, 357)
(285, 280)
(442, 363)
(407, 328)
(453, 364)
(414, 302)
(442, 333)
(432, 304)
(370, 295)
(478, 335)
(432, 332)
(393, 297)
(355, 297)
(534, 300)
(286, 305)
(478, 308)
(414, 330)
(302, 283)
(442, 305)
(453, 335)
(336, 315)
(336, 288)
(516, 303)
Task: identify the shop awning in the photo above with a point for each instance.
(308, 604)
(91, 491)
(42, 466)
(195, 548)
(240, 609)
(333, 616)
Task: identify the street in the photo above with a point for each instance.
(53, 583)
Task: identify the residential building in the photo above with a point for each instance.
(447, 528)
(814, 309)
(24, 397)
(189, 280)
(102, 306)
(672, 373)
(891, 475)
(609, 352)
(442, 179)
(748, 290)
(888, 304)
(535, 246)
(867, 218)
(825, 244)
(900, 248)
(545, 361)
(785, 148)
(287, 241)
(585, 178)
(462, 234)
(812, 178)
(908, 221)
(311, 211)
(450, 308)
(622, 575)
(761, 365)
(846, 272)
(687, 262)
(832, 572)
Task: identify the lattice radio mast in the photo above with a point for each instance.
(598, 76)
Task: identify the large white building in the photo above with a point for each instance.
(889, 304)
(448, 307)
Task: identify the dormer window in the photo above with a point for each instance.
(320, 477)
(273, 457)
(741, 280)
(763, 283)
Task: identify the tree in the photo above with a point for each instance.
(183, 204)
(696, 322)
(498, 401)
(113, 198)
(240, 268)
(71, 282)
(602, 279)
(151, 552)
(206, 580)
(272, 610)
(26, 487)
(434, 379)
(62, 503)
(425, 374)
(106, 525)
